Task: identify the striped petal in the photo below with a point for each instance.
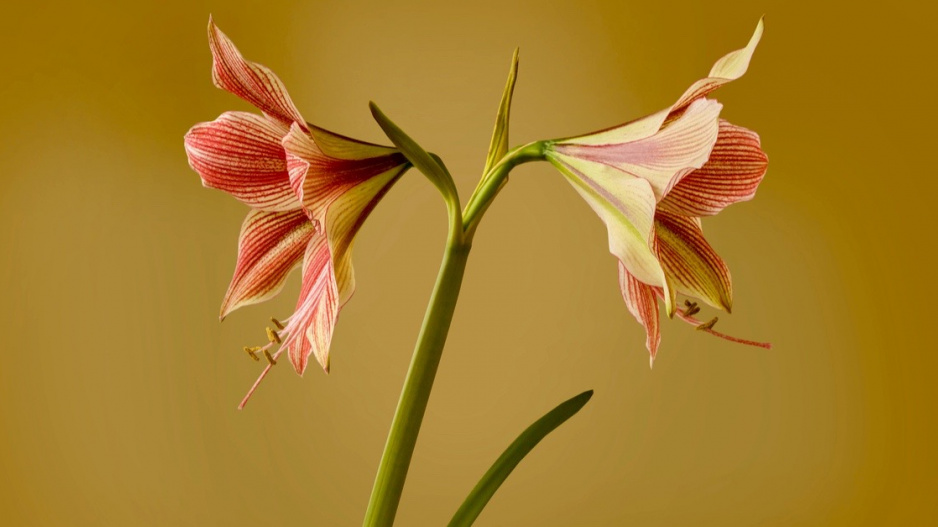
(270, 246)
(309, 330)
(662, 158)
(690, 262)
(626, 204)
(642, 302)
(320, 179)
(729, 68)
(252, 82)
(736, 166)
(240, 153)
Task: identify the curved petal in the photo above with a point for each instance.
(690, 262)
(309, 330)
(318, 179)
(240, 153)
(662, 158)
(729, 68)
(626, 204)
(270, 246)
(642, 303)
(345, 217)
(250, 81)
(736, 167)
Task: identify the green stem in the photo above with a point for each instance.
(389, 483)
(494, 181)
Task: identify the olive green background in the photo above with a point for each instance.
(118, 387)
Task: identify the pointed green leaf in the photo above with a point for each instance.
(485, 489)
(499, 144)
(414, 153)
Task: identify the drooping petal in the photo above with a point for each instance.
(690, 262)
(729, 68)
(270, 246)
(736, 166)
(662, 158)
(641, 300)
(250, 81)
(309, 330)
(240, 153)
(319, 179)
(626, 204)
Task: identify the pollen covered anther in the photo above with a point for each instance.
(252, 351)
(270, 359)
(692, 308)
(708, 324)
(272, 336)
(277, 323)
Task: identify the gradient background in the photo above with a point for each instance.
(118, 386)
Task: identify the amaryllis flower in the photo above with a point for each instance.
(309, 191)
(652, 179)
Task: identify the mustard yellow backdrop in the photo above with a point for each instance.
(118, 386)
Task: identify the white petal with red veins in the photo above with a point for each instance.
(270, 246)
(309, 330)
(736, 166)
(240, 153)
(250, 81)
(690, 262)
(643, 304)
(663, 158)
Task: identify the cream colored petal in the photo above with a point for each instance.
(626, 204)
(729, 68)
(663, 158)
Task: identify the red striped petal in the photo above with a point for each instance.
(240, 153)
(642, 303)
(736, 166)
(270, 246)
(690, 262)
(250, 81)
(309, 330)
(319, 179)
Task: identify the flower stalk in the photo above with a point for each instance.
(399, 448)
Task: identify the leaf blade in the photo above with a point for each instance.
(512, 456)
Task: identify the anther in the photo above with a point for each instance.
(708, 324)
(273, 336)
(277, 323)
(270, 359)
(252, 352)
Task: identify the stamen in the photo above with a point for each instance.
(272, 336)
(692, 308)
(269, 358)
(253, 352)
(708, 324)
(277, 323)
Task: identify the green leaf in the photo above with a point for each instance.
(419, 157)
(485, 489)
(499, 144)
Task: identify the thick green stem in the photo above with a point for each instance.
(389, 483)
